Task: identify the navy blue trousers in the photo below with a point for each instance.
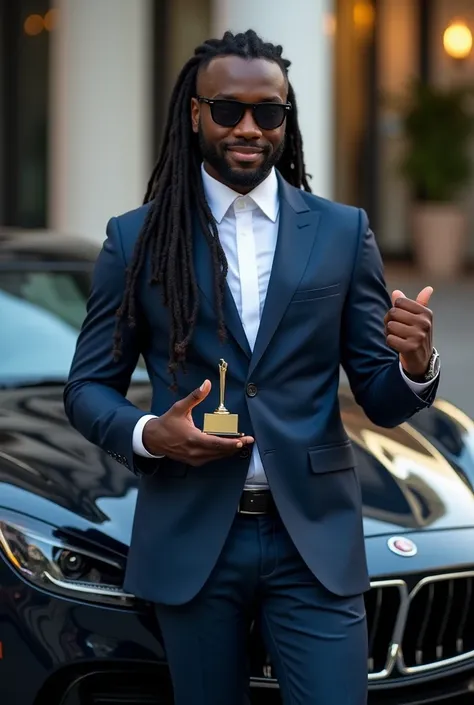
(317, 641)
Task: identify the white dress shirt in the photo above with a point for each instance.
(248, 231)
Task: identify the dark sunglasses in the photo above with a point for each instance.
(228, 113)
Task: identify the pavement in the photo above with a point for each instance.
(452, 304)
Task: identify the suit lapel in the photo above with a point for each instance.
(297, 233)
(205, 279)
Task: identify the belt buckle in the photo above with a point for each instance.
(255, 513)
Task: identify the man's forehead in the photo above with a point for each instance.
(235, 75)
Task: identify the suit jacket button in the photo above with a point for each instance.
(251, 390)
(245, 453)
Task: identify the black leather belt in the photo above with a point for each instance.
(256, 502)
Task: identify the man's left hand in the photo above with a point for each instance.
(409, 330)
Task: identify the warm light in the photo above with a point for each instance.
(363, 15)
(51, 19)
(457, 40)
(329, 24)
(33, 25)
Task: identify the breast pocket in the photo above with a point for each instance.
(314, 294)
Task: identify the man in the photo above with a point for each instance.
(231, 257)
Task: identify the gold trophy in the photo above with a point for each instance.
(221, 422)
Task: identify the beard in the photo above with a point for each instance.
(239, 178)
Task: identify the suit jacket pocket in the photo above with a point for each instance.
(312, 294)
(331, 458)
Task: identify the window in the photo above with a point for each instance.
(24, 47)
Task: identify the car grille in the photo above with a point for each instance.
(383, 605)
(439, 627)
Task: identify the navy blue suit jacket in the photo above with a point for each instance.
(325, 306)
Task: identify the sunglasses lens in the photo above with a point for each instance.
(269, 116)
(229, 113)
(226, 112)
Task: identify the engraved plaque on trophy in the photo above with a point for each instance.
(221, 422)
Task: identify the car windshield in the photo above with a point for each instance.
(41, 313)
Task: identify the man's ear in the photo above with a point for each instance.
(195, 112)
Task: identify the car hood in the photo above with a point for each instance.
(418, 476)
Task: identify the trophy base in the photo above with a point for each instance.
(224, 425)
(223, 435)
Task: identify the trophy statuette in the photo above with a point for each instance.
(221, 422)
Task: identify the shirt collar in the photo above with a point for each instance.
(220, 197)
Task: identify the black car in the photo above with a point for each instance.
(70, 635)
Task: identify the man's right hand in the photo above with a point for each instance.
(175, 435)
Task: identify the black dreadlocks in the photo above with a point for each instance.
(175, 192)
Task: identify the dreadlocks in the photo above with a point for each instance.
(175, 192)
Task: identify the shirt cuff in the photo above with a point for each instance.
(417, 387)
(137, 438)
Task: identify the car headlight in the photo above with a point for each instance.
(50, 559)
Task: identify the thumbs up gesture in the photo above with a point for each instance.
(409, 330)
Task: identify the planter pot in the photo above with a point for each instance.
(439, 239)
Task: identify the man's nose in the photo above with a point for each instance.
(247, 127)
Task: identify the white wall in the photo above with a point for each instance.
(100, 134)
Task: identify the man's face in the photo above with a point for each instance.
(243, 155)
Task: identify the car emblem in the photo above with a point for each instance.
(402, 546)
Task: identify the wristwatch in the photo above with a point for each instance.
(433, 367)
(431, 372)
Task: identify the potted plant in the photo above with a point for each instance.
(438, 124)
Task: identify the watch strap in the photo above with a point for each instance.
(431, 372)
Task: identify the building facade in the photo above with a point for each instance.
(85, 84)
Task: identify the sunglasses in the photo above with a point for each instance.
(228, 113)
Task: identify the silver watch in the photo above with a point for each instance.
(433, 366)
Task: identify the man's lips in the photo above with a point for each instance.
(245, 153)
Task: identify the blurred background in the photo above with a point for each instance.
(385, 96)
